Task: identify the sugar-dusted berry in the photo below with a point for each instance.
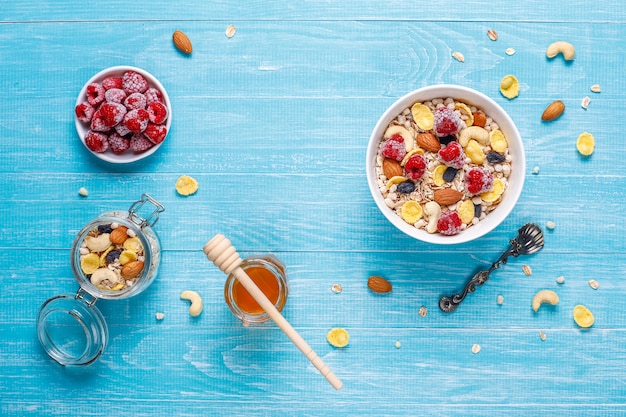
(153, 95)
(415, 167)
(452, 155)
(140, 143)
(114, 95)
(84, 112)
(96, 141)
(449, 223)
(122, 130)
(393, 148)
(97, 122)
(157, 112)
(137, 120)
(95, 94)
(133, 82)
(135, 101)
(478, 181)
(112, 82)
(156, 133)
(112, 113)
(447, 122)
(118, 143)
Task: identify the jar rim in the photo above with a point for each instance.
(72, 330)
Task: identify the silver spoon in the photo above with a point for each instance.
(528, 241)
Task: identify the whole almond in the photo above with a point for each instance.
(447, 196)
(428, 142)
(379, 284)
(553, 111)
(182, 42)
(480, 119)
(119, 236)
(391, 168)
(132, 269)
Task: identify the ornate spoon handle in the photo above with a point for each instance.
(529, 240)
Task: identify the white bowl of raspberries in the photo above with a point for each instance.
(445, 164)
(122, 114)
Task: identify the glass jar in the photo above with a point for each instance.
(268, 273)
(116, 256)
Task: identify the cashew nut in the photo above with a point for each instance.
(102, 275)
(98, 244)
(473, 132)
(196, 302)
(432, 210)
(565, 48)
(544, 296)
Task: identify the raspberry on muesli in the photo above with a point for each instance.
(480, 181)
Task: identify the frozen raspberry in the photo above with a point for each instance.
(140, 143)
(133, 82)
(157, 112)
(118, 143)
(452, 155)
(415, 167)
(96, 141)
(478, 181)
(135, 101)
(122, 130)
(84, 112)
(137, 120)
(97, 122)
(156, 133)
(153, 95)
(449, 223)
(95, 94)
(112, 82)
(393, 148)
(112, 113)
(447, 122)
(114, 95)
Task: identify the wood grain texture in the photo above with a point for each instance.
(274, 125)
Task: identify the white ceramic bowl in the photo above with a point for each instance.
(83, 128)
(516, 150)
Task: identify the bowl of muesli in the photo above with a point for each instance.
(445, 164)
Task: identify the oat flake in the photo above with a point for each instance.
(458, 56)
(230, 31)
(509, 51)
(475, 348)
(337, 288)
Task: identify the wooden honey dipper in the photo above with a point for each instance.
(223, 254)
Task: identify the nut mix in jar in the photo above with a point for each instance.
(442, 165)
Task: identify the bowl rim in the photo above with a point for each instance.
(82, 128)
(491, 108)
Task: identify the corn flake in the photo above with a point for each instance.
(475, 152)
(466, 211)
(497, 141)
(464, 109)
(585, 143)
(423, 116)
(438, 175)
(583, 317)
(495, 193)
(395, 180)
(338, 337)
(186, 185)
(411, 211)
(509, 86)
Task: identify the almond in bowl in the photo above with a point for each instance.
(457, 161)
(122, 114)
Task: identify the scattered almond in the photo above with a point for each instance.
(182, 42)
(119, 235)
(132, 269)
(553, 111)
(447, 196)
(428, 141)
(391, 168)
(379, 284)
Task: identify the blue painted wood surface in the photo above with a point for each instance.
(273, 124)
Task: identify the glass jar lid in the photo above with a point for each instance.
(71, 329)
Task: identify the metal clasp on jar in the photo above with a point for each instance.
(152, 218)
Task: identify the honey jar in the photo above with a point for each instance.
(268, 273)
(115, 256)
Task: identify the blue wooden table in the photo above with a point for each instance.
(273, 123)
